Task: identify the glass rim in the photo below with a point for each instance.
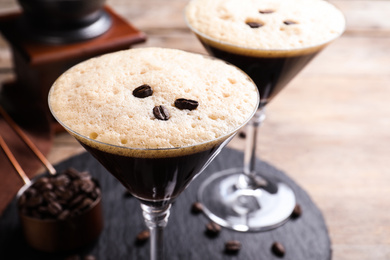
(224, 136)
(297, 49)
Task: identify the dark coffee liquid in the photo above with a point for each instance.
(154, 180)
(270, 75)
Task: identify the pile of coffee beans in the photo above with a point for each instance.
(234, 246)
(61, 196)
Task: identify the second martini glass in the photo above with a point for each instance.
(245, 199)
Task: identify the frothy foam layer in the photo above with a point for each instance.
(95, 99)
(265, 24)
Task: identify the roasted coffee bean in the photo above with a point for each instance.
(289, 22)
(161, 113)
(278, 249)
(46, 187)
(49, 196)
(143, 91)
(212, 229)
(87, 202)
(87, 185)
(95, 193)
(61, 180)
(266, 11)
(54, 208)
(297, 212)
(242, 135)
(42, 181)
(85, 175)
(232, 246)
(72, 173)
(34, 201)
(254, 25)
(76, 201)
(42, 210)
(64, 195)
(197, 207)
(89, 257)
(64, 215)
(182, 103)
(43, 184)
(142, 236)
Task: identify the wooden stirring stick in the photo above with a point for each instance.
(13, 161)
(27, 141)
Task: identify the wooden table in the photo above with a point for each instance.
(329, 129)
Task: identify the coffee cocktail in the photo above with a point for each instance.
(155, 118)
(271, 40)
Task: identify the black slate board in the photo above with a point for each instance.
(305, 238)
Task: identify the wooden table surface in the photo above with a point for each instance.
(329, 129)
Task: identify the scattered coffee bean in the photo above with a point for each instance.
(254, 25)
(297, 212)
(182, 103)
(266, 11)
(143, 91)
(212, 229)
(289, 22)
(197, 208)
(232, 247)
(161, 113)
(278, 249)
(142, 236)
(242, 135)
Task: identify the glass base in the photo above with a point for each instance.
(245, 209)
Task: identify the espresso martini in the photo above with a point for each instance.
(155, 118)
(271, 40)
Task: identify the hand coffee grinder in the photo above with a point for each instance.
(50, 36)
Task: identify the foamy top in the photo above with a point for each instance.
(95, 101)
(283, 24)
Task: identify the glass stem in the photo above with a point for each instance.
(156, 218)
(251, 146)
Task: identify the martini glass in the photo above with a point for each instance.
(155, 176)
(245, 199)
